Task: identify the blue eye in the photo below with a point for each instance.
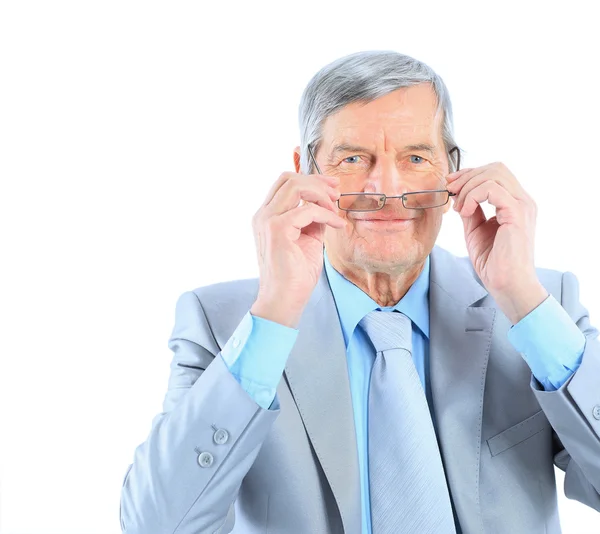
(413, 157)
(354, 158)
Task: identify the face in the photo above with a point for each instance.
(392, 145)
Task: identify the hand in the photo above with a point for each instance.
(288, 229)
(501, 248)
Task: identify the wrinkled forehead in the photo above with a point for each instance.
(406, 116)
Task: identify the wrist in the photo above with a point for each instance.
(278, 312)
(520, 302)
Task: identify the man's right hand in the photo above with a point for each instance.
(289, 230)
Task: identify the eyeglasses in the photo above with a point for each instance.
(415, 200)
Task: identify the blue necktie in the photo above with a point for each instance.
(408, 489)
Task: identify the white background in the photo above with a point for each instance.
(138, 139)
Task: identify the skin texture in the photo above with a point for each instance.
(380, 147)
(384, 262)
(501, 248)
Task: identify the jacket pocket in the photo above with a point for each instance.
(518, 433)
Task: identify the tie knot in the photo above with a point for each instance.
(388, 330)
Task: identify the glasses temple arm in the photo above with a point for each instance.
(312, 156)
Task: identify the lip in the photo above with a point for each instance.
(385, 219)
(385, 225)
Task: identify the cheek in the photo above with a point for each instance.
(427, 222)
(434, 224)
(346, 236)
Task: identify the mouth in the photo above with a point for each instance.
(385, 224)
(386, 219)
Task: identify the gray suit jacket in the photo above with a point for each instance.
(295, 469)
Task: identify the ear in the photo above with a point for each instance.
(297, 159)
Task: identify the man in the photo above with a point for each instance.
(370, 381)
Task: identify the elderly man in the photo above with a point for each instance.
(370, 381)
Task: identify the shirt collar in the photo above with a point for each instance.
(353, 303)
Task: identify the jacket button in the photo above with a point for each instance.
(596, 411)
(221, 436)
(205, 459)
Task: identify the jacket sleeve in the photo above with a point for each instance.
(186, 475)
(573, 410)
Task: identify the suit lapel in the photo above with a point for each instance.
(460, 338)
(317, 374)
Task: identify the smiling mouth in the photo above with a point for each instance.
(398, 219)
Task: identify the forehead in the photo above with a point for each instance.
(407, 114)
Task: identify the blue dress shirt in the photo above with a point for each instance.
(256, 354)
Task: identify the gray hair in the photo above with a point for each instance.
(363, 77)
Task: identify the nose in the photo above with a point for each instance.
(385, 177)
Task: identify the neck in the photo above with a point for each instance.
(385, 285)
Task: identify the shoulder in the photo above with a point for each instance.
(229, 296)
(215, 308)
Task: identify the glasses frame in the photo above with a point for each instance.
(403, 197)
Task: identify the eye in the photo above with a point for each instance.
(416, 159)
(351, 159)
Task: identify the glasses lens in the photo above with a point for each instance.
(425, 199)
(361, 202)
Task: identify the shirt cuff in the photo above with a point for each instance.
(550, 342)
(256, 355)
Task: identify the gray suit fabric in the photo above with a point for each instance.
(295, 469)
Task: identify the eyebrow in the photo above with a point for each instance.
(420, 147)
(347, 148)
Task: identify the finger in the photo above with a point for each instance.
(316, 198)
(459, 181)
(457, 174)
(491, 192)
(286, 176)
(333, 180)
(472, 222)
(463, 190)
(307, 188)
(466, 183)
(314, 230)
(295, 220)
(495, 171)
(468, 172)
(460, 184)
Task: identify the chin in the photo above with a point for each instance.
(386, 256)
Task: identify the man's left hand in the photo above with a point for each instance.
(501, 248)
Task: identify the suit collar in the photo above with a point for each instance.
(455, 277)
